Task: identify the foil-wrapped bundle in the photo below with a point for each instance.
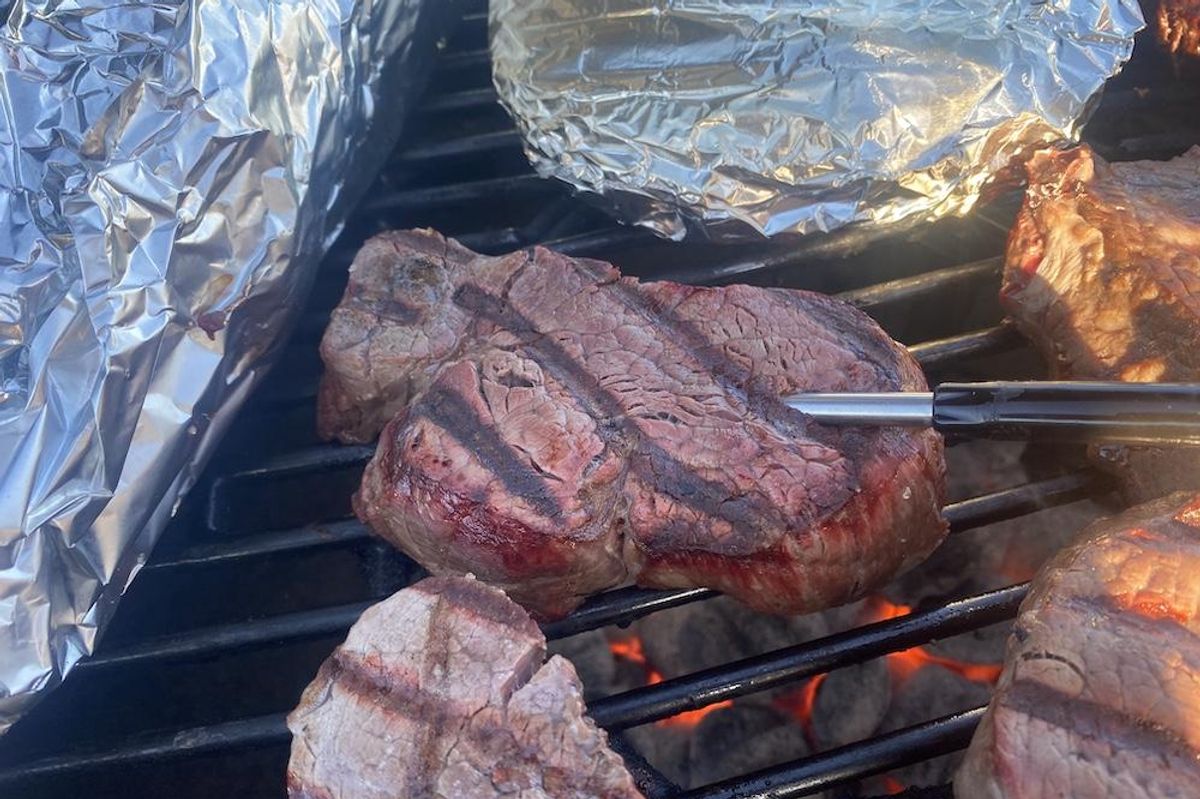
(758, 118)
(172, 171)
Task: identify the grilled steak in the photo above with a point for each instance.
(1103, 273)
(1101, 684)
(1178, 26)
(566, 430)
(440, 692)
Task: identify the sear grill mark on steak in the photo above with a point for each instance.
(1094, 720)
(653, 463)
(650, 413)
(440, 692)
(1101, 682)
(1102, 273)
(449, 412)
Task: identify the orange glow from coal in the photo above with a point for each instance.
(876, 608)
(631, 650)
(800, 703)
(892, 786)
(904, 665)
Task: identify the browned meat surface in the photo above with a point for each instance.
(1178, 26)
(1100, 693)
(440, 692)
(566, 430)
(1103, 274)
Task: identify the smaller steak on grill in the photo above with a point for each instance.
(1100, 691)
(564, 430)
(441, 692)
(1103, 274)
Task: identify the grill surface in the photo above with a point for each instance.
(263, 571)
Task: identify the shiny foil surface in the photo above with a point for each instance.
(171, 173)
(756, 118)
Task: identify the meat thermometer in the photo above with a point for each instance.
(1162, 414)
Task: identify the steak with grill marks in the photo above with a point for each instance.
(1103, 274)
(563, 430)
(440, 692)
(1101, 684)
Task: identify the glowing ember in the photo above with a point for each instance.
(631, 650)
(800, 703)
(904, 665)
(876, 608)
(892, 786)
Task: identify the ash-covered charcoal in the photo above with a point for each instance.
(981, 466)
(741, 739)
(1099, 694)
(1103, 274)
(665, 748)
(849, 704)
(565, 430)
(440, 692)
(732, 741)
(1001, 553)
(929, 692)
(706, 634)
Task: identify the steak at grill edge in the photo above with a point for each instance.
(563, 430)
(441, 692)
(1103, 274)
(1100, 690)
(1177, 23)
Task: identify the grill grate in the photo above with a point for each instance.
(261, 574)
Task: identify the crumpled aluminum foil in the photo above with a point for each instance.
(757, 118)
(171, 173)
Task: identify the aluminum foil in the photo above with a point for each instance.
(171, 172)
(760, 117)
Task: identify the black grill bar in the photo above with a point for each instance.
(478, 144)
(943, 352)
(752, 675)
(848, 763)
(231, 637)
(491, 189)
(909, 288)
(464, 60)
(242, 734)
(621, 607)
(1013, 502)
(305, 538)
(467, 100)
